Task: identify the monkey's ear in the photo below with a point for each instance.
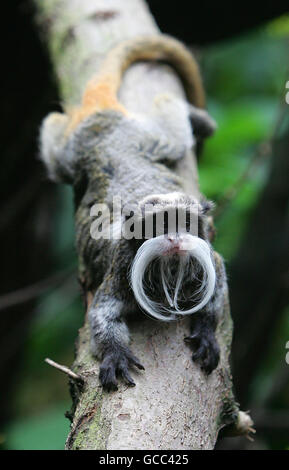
(202, 123)
(206, 206)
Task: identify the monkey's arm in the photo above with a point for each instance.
(52, 148)
(204, 323)
(202, 123)
(167, 135)
(110, 337)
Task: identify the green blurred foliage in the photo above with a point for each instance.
(46, 431)
(245, 81)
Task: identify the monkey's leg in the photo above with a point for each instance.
(203, 323)
(54, 152)
(109, 340)
(173, 113)
(202, 340)
(203, 126)
(177, 119)
(202, 123)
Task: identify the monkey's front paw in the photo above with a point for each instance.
(206, 351)
(116, 362)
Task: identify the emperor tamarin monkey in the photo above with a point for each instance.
(104, 151)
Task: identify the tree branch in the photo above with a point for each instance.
(173, 406)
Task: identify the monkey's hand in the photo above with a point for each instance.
(116, 361)
(206, 350)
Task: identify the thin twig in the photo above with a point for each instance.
(64, 369)
(34, 290)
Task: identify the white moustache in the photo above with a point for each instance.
(187, 247)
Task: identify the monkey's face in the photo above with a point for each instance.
(172, 273)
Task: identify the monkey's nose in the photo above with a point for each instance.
(175, 244)
(175, 239)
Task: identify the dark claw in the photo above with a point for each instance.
(117, 362)
(191, 339)
(206, 351)
(108, 378)
(122, 369)
(126, 376)
(134, 360)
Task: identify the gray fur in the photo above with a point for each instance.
(97, 159)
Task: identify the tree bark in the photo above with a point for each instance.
(173, 406)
